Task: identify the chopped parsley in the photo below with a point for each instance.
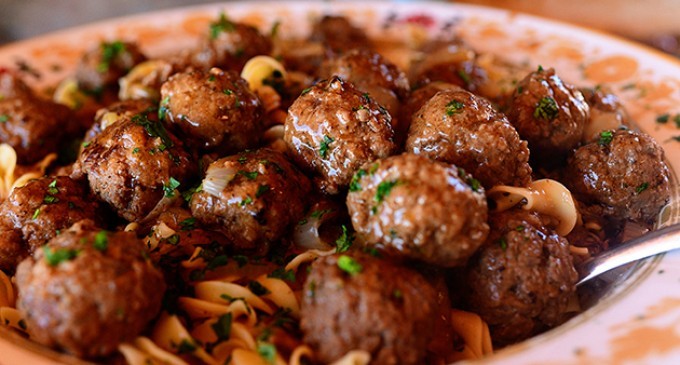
(349, 265)
(475, 185)
(101, 241)
(464, 76)
(109, 52)
(540, 68)
(221, 25)
(242, 160)
(267, 351)
(454, 107)
(323, 146)
(173, 240)
(320, 213)
(4, 118)
(676, 120)
(153, 129)
(186, 347)
(170, 187)
(605, 138)
(397, 294)
(305, 91)
(503, 243)
(663, 118)
(187, 195)
(187, 224)
(275, 29)
(261, 190)
(283, 274)
(519, 228)
(384, 189)
(36, 213)
(642, 187)
(249, 175)
(222, 327)
(135, 151)
(257, 288)
(344, 242)
(163, 110)
(227, 91)
(546, 109)
(354, 184)
(241, 260)
(247, 200)
(59, 255)
(52, 187)
(367, 97)
(50, 199)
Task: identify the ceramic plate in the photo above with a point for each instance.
(638, 321)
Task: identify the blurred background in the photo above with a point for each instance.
(655, 22)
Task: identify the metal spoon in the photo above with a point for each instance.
(649, 244)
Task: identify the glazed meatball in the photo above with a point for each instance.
(252, 198)
(215, 111)
(411, 206)
(133, 163)
(550, 114)
(115, 112)
(622, 176)
(360, 302)
(521, 279)
(458, 127)
(338, 35)
(449, 62)
(37, 212)
(33, 127)
(88, 290)
(101, 67)
(12, 86)
(233, 44)
(606, 113)
(333, 128)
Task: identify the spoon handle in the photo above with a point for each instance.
(649, 244)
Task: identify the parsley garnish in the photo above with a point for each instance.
(464, 76)
(663, 119)
(267, 351)
(187, 195)
(519, 228)
(186, 347)
(454, 107)
(283, 274)
(50, 199)
(163, 110)
(642, 187)
(60, 255)
(52, 187)
(503, 243)
(344, 242)
(540, 68)
(170, 186)
(187, 224)
(605, 138)
(676, 120)
(242, 160)
(173, 240)
(320, 213)
(546, 109)
(101, 241)
(4, 118)
(384, 189)
(397, 294)
(36, 213)
(247, 200)
(153, 128)
(109, 52)
(249, 175)
(474, 183)
(305, 91)
(261, 190)
(221, 25)
(275, 29)
(323, 146)
(222, 327)
(257, 288)
(349, 265)
(354, 184)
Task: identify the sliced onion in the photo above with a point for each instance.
(306, 235)
(162, 205)
(217, 177)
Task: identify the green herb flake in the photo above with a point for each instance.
(242, 160)
(211, 78)
(247, 200)
(676, 120)
(605, 138)
(135, 151)
(663, 118)
(261, 190)
(187, 346)
(173, 240)
(257, 288)
(397, 294)
(503, 243)
(283, 274)
(36, 213)
(345, 241)
(4, 118)
(248, 175)
(267, 351)
(354, 185)
(170, 187)
(475, 185)
(275, 29)
(153, 129)
(241, 260)
(227, 92)
(519, 228)
(187, 195)
(464, 76)
(163, 109)
(221, 25)
(50, 199)
(349, 265)
(305, 91)
(217, 261)
(187, 224)
(546, 109)
(540, 68)
(55, 257)
(642, 187)
(109, 52)
(101, 241)
(384, 189)
(86, 144)
(454, 107)
(324, 145)
(222, 328)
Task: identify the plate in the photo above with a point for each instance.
(638, 321)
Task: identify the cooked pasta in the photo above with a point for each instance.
(9, 179)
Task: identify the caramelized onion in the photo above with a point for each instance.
(216, 179)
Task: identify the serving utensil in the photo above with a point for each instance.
(649, 244)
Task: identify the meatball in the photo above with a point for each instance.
(12, 86)
(622, 175)
(550, 114)
(252, 198)
(366, 303)
(88, 290)
(133, 163)
(37, 212)
(333, 128)
(101, 67)
(521, 279)
(411, 206)
(115, 112)
(449, 62)
(458, 127)
(233, 44)
(606, 113)
(338, 35)
(32, 126)
(215, 111)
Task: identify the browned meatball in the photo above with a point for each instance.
(415, 101)
(215, 110)
(32, 126)
(339, 35)
(412, 206)
(233, 44)
(622, 176)
(333, 128)
(521, 279)
(606, 112)
(133, 163)
(37, 212)
(101, 67)
(252, 198)
(12, 86)
(458, 127)
(88, 290)
(360, 302)
(449, 62)
(115, 112)
(550, 114)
